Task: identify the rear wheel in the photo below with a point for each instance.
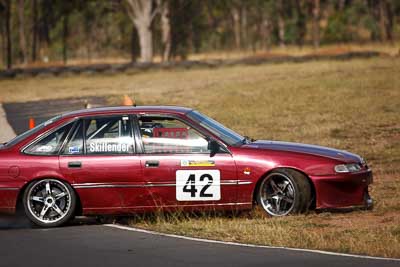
(284, 192)
(49, 202)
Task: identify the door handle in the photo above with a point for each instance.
(152, 164)
(74, 164)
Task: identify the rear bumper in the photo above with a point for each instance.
(343, 190)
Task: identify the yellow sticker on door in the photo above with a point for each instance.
(197, 163)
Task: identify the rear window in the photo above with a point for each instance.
(32, 131)
(50, 144)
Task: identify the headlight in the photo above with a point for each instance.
(352, 167)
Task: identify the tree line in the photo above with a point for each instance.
(54, 30)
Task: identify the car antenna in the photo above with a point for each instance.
(133, 97)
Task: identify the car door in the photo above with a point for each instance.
(99, 158)
(177, 167)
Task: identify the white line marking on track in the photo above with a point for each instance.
(246, 245)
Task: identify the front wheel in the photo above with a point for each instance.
(49, 202)
(284, 192)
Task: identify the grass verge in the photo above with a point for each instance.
(357, 232)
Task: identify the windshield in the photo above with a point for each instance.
(227, 135)
(28, 133)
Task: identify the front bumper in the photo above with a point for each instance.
(8, 199)
(343, 190)
(368, 201)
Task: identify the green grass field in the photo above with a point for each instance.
(352, 105)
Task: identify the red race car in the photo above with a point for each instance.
(124, 160)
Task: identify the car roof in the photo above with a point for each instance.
(128, 109)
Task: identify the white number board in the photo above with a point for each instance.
(198, 185)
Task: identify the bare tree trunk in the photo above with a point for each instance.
(146, 43)
(134, 48)
(373, 10)
(315, 25)
(382, 21)
(389, 25)
(385, 21)
(8, 34)
(236, 26)
(21, 30)
(2, 42)
(34, 29)
(342, 4)
(65, 38)
(88, 21)
(243, 28)
(142, 14)
(300, 24)
(166, 32)
(265, 33)
(281, 24)
(2, 33)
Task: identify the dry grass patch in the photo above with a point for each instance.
(359, 232)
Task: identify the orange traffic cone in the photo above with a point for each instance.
(127, 101)
(31, 123)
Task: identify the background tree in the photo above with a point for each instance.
(66, 8)
(2, 31)
(183, 14)
(34, 29)
(134, 48)
(142, 15)
(385, 20)
(7, 32)
(48, 31)
(244, 23)
(301, 22)
(281, 22)
(166, 37)
(237, 27)
(315, 23)
(21, 29)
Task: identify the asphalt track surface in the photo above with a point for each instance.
(18, 114)
(86, 243)
(90, 244)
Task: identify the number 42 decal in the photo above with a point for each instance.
(198, 185)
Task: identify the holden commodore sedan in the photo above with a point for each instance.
(125, 160)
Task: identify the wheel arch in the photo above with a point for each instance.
(19, 208)
(312, 186)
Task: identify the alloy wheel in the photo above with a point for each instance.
(277, 194)
(49, 201)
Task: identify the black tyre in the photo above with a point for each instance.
(49, 202)
(284, 192)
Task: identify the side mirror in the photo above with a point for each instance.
(214, 147)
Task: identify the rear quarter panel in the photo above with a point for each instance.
(17, 169)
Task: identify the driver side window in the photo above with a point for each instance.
(109, 136)
(102, 136)
(164, 135)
